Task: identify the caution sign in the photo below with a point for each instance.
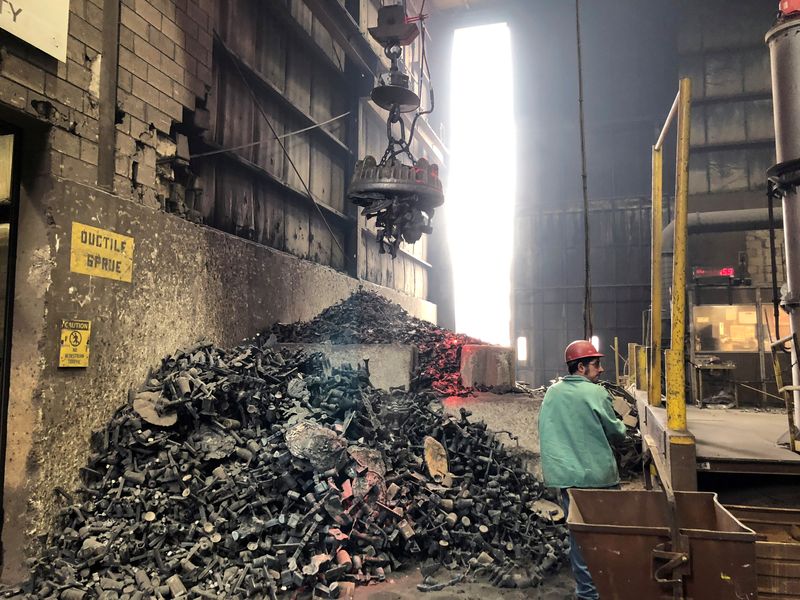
(74, 343)
(101, 253)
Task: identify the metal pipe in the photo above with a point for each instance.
(722, 221)
(784, 49)
(654, 394)
(668, 123)
(676, 392)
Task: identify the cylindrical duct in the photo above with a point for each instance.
(784, 49)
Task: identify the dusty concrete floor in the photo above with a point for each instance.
(403, 586)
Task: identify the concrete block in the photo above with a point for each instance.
(517, 413)
(390, 365)
(483, 365)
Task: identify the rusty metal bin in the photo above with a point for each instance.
(617, 532)
(777, 549)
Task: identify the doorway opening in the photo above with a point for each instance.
(9, 212)
(482, 180)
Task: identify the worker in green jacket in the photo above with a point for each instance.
(576, 425)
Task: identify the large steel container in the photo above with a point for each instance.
(784, 50)
(618, 530)
(777, 549)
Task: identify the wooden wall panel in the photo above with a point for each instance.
(243, 205)
(387, 267)
(274, 217)
(300, 153)
(271, 59)
(296, 229)
(362, 252)
(338, 184)
(338, 260)
(322, 86)
(409, 276)
(400, 273)
(319, 239)
(241, 33)
(420, 281)
(206, 177)
(320, 174)
(330, 47)
(302, 15)
(269, 155)
(223, 207)
(298, 77)
(234, 114)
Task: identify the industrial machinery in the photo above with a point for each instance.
(785, 175)
(400, 196)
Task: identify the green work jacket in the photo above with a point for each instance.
(576, 422)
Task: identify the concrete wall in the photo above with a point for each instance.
(189, 282)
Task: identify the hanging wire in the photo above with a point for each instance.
(263, 113)
(424, 69)
(588, 327)
(280, 137)
(772, 194)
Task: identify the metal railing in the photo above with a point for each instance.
(675, 359)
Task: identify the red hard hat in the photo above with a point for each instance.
(580, 349)
(789, 7)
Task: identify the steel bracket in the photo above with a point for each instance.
(669, 566)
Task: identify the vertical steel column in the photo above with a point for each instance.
(641, 368)
(676, 375)
(654, 395)
(784, 47)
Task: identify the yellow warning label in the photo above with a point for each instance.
(74, 343)
(101, 253)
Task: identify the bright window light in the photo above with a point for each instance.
(596, 342)
(482, 181)
(522, 349)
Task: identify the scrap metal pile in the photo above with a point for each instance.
(243, 473)
(629, 451)
(369, 318)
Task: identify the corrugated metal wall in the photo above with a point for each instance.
(549, 309)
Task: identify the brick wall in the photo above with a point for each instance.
(164, 70)
(758, 257)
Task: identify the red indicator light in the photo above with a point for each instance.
(726, 272)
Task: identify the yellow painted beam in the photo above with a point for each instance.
(676, 398)
(641, 367)
(676, 394)
(654, 393)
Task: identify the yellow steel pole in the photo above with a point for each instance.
(654, 394)
(616, 357)
(676, 393)
(641, 368)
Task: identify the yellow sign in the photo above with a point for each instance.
(41, 23)
(101, 253)
(74, 343)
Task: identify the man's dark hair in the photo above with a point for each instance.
(573, 365)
